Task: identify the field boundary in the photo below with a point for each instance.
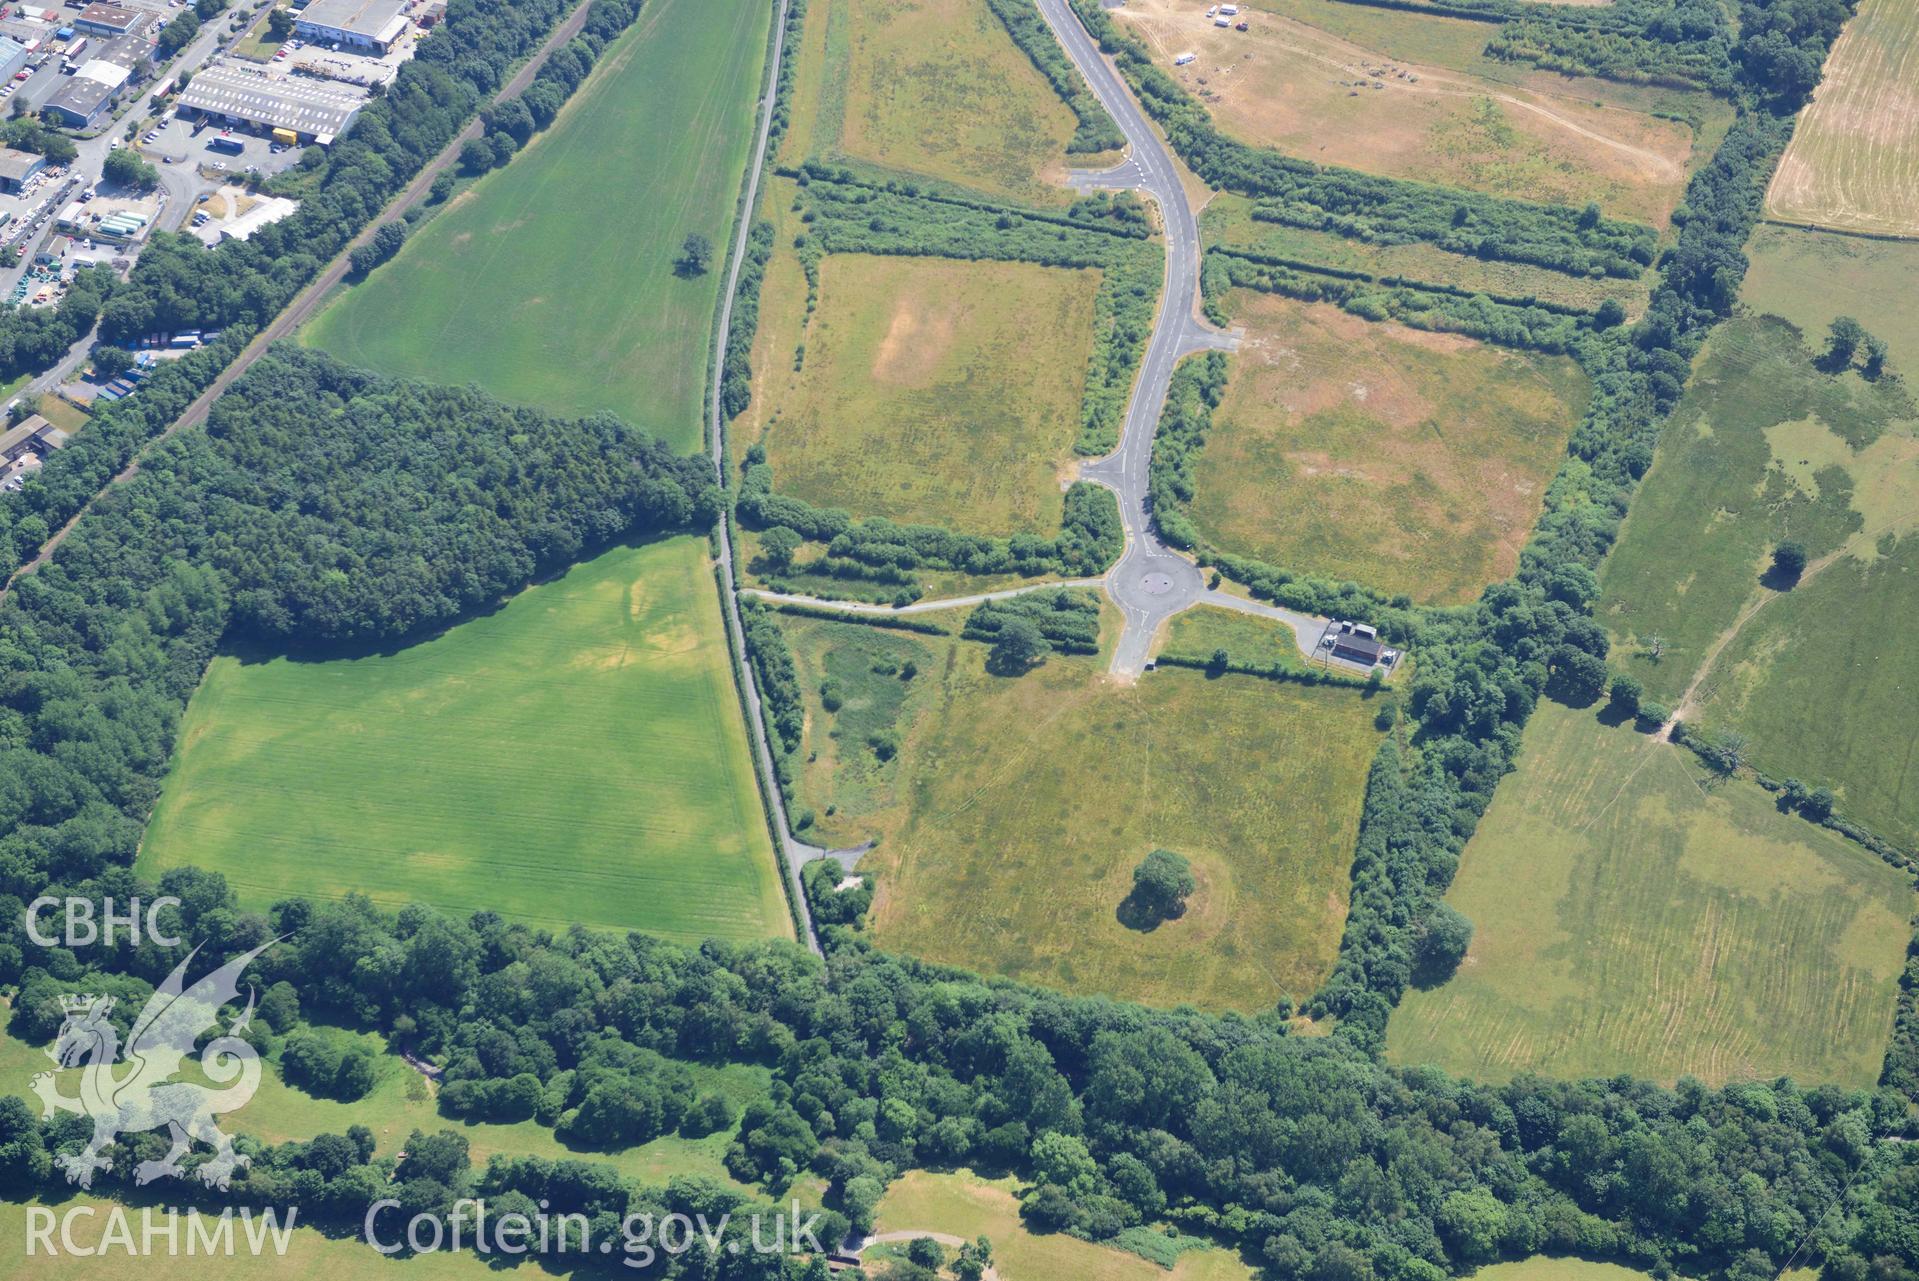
(725, 572)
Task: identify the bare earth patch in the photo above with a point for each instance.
(1293, 86)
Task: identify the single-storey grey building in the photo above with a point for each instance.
(16, 167)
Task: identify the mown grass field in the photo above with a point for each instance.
(968, 1205)
(552, 281)
(576, 755)
(931, 390)
(1025, 803)
(402, 1101)
(1198, 632)
(929, 87)
(1542, 1268)
(1853, 163)
(1630, 918)
(1227, 223)
(1291, 85)
(1766, 447)
(1413, 462)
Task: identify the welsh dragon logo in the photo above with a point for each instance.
(130, 1092)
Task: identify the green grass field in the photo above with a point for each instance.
(1247, 639)
(576, 755)
(552, 283)
(1409, 461)
(929, 87)
(1810, 277)
(1025, 804)
(1630, 918)
(934, 391)
(1765, 447)
(965, 1204)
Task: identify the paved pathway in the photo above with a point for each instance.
(1151, 582)
(1307, 628)
(918, 606)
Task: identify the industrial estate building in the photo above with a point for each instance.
(96, 85)
(313, 110)
(16, 167)
(109, 20)
(357, 24)
(13, 57)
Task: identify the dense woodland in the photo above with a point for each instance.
(414, 505)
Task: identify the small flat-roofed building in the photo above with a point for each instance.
(1356, 649)
(357, 24)
(314, 110)
(109, 20)
(16, 167)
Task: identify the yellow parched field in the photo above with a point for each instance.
(931, 390)
(1854, 160)
(1415, 462)
(929, 87)
(1287, 84)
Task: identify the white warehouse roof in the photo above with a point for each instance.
(304, 106)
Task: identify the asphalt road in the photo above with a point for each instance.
(1151, 582)
(793, 852)
(309, 300)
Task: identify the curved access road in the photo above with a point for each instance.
(1151, 582)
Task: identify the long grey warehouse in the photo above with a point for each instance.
(316, 112)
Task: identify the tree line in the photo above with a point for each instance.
(1316, 1160)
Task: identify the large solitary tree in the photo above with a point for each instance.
(1161, 885)
(1019, 645)
(696, 255)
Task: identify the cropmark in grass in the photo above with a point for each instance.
(929, 87)
(577, 755)
(1631, 918)
(1764, 448)
(1026, 802)
(934, 391)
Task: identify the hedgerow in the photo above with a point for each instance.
(1367, 207)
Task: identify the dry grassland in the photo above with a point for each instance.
(1854, 160)
(1310, 93)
